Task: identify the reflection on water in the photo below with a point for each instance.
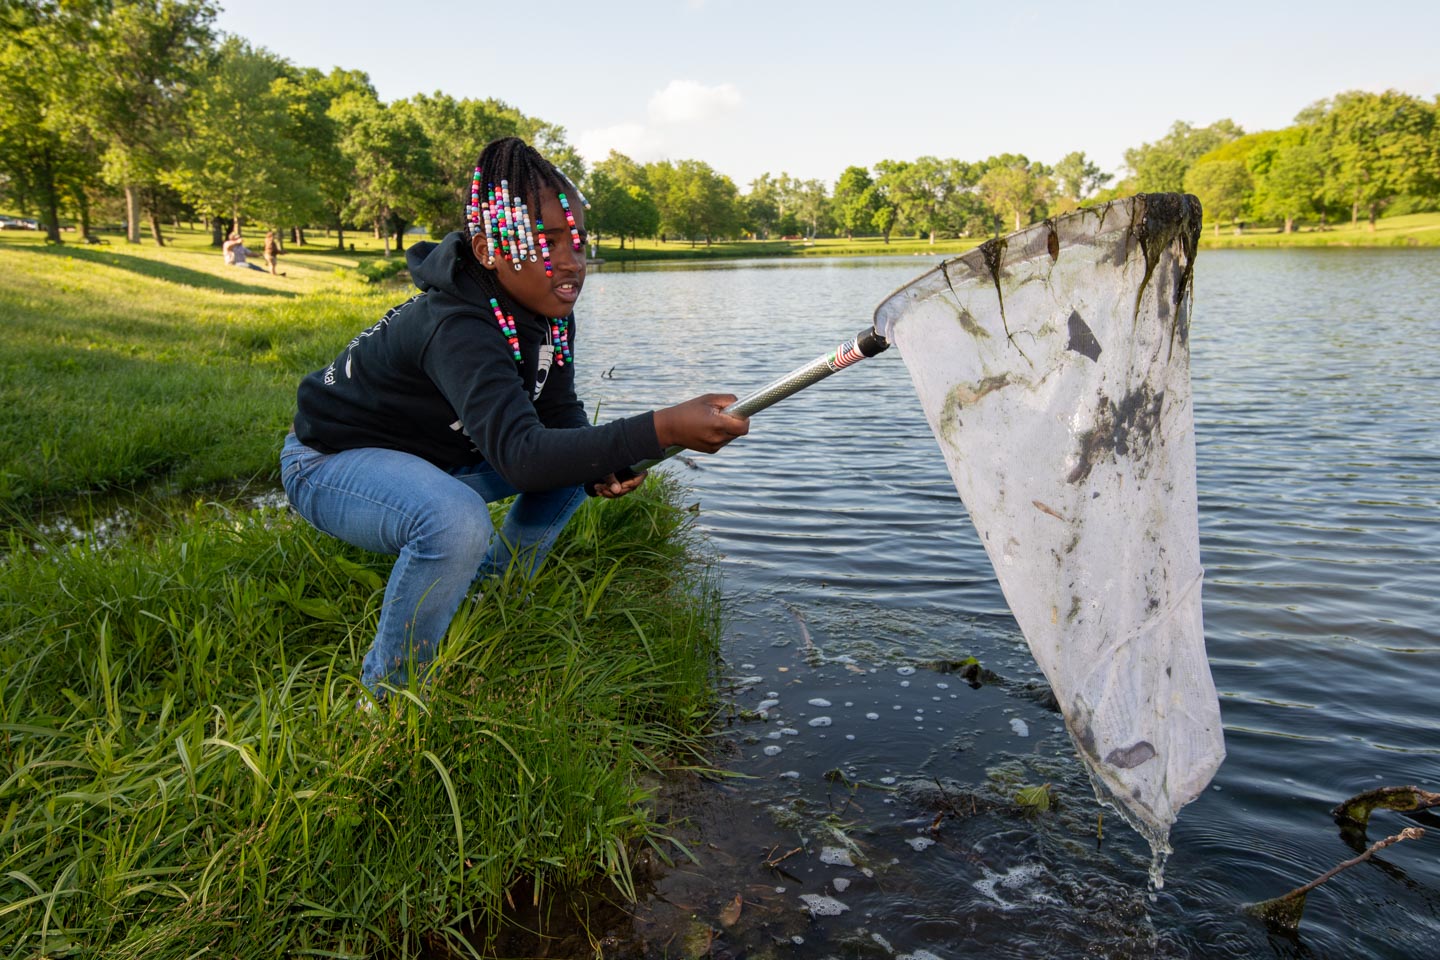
(854, 580)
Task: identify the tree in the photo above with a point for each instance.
(46, 155)
(1289, 177)
(812, 205)
(1160, 167)
(310, 95)
(855, 201)
(238, 157)
(929, 195)
(693, 199)
(618, 207)
(141, 57)
(393, 175)
(1224, 187)
(1078, 177)
(1012, 187)
(457, 130)
(1378, 146)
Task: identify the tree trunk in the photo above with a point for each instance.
(82, 201)
(340, 237)
(132, 214)
(1289, 224)
(1374, 215)
(1017, 219)
(383, 235)
(155, 228)
(1355, 214)
(217, 232)
(932, 238)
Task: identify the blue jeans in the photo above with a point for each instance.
(436, 524)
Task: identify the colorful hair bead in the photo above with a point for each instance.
(570, 219)
(560, 338)
(544, 247)
(507, 327)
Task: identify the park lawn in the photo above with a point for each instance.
(1410, 230)
(126, 363)
(182, 767)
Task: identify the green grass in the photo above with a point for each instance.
(1410, 230)
(128, 363)
(182, 769)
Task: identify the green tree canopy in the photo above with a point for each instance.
(1160, 167)
(141, 58)
(393, 176)
(855, 201)
(1377, 147)
(239, 156)
(1224, 188)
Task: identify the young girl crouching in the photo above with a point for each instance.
(465, 394)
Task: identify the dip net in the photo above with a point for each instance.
(1053, 366)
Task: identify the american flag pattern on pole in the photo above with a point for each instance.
(845, 354)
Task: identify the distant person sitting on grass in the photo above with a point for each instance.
(463, 395)
(236, 252)
(272, 251)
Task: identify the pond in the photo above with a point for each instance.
(852, 577)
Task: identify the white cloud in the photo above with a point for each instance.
(635, 140)
(685, 101)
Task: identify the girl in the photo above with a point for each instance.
(465, 394)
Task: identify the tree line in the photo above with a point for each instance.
(141, 110)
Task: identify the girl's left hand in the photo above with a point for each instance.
(610, 488)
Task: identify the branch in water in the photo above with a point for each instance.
(1285, 911)
(1404, 799)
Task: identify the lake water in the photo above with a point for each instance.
(850, 568)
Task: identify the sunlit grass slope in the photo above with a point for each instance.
(183, 771)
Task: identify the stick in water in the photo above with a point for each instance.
(1284, 911)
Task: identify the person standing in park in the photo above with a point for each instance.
(272, 251)
(463, 395)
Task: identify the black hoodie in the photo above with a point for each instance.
(436, 378)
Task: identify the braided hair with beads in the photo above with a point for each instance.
(508, 171)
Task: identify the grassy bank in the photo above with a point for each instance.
(182, 767)
(1411, 230)
(122, 364)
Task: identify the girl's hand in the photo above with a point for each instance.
(610, 488)
(699, 424)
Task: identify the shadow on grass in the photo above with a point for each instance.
(156, 269)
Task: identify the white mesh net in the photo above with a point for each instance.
(1053, 366)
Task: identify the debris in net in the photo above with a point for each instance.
(1403, 799)
(1284, 911)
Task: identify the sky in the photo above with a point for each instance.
(809, 88)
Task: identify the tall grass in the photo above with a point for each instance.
(185, 768)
